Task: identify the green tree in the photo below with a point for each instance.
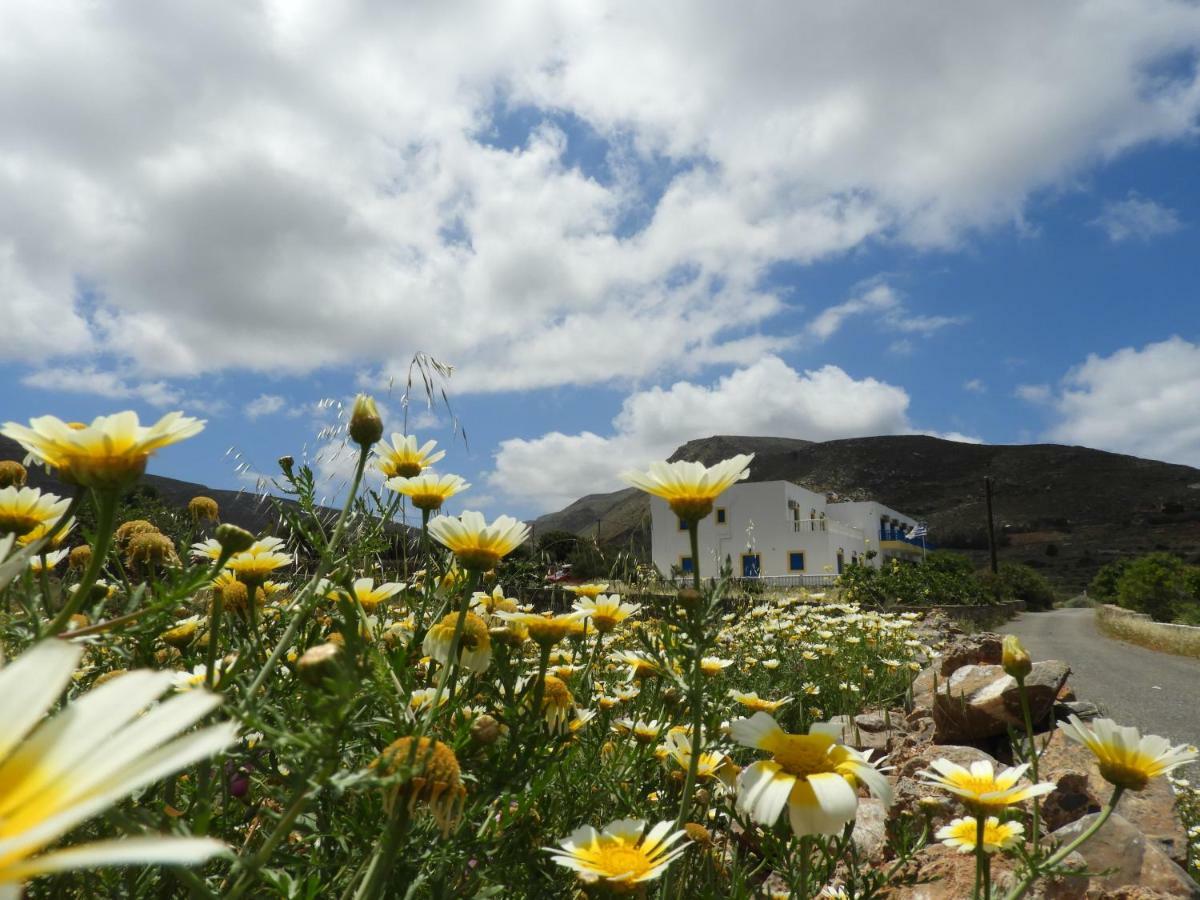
(1020, 582)
(1155, 584)
(557, 545)
(1104, 584)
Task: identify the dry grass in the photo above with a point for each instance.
(1182, 640)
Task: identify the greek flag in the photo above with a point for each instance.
(918, 531)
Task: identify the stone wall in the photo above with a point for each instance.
(1139, 628)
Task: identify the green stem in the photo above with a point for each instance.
(106, 515)
(694, 540)
(451, 665)
(982, 860)
(301, 604)
(1033, 758)
(539, 687)
(385, 855)
(1063, 852)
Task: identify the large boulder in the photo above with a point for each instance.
(872, 730)
(984, 648)
(983, 701)
(1081, 790)
(1127, 858)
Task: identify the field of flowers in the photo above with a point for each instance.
(298, 716)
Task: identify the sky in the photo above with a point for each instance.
(625, 225)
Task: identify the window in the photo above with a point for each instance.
(796, 561)
(682, 525)
(751, 565)
(721, 515)
(685, 565)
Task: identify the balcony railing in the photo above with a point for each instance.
(808, 524)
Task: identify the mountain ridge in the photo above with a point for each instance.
(1061, 508)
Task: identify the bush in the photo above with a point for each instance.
(943, 579)
(1104, 584)
(1018, 582)
(1156, 584)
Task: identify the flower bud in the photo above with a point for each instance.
(485, 730)
(1015, 658)
(12, 473)
(203, 509)
(234, 539)
(285, 464)
(318, 662)
(365, 425)
(79, 558)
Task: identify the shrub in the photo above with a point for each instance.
(943, 579)
(1104, 584)
(1155, 584)
(1018, 582)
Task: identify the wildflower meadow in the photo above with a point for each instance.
(332, 712)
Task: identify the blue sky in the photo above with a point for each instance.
(623, 237)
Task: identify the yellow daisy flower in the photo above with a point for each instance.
(404, 459)
(753, 702)
(25, 509)
(811, 774)
(690, 487)
(592, 589)
(110, 453)
(474, 645)
(622, 856)
(60, 771)
(478, 545)
(963, 834)
(1126, 758)
(980, 787)
(368, 595)
(428, 490)
(606, 611)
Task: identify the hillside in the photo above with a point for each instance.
(244, 508)
(1064, 510)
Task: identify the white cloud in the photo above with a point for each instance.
(975, 386)
(1136, 219)
(290, 185)
(881, 305)
(767, 398)
(1137, 401)
(263, 405)
(102, 384)
(1033, 393)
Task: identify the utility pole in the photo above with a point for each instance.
(987, 488)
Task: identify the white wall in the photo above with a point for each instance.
(758, 519)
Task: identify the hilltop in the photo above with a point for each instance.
(1062, 509)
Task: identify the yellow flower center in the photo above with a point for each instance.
(548, 631)
(619, 859)
(556, 693)
(1133, 774)
(396, 468)
(804, 754)
(427, 500)
(691, 509)
(17, 523)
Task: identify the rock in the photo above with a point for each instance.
(871, 730)
(1081, 790)
(984, 648)
(1128, 858)
(950, 875)
(870, 830)
(1084, 709)
(981, 701)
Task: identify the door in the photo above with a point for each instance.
(751, 565)
(841, 561)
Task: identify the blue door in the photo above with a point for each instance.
(841, 561)
(751, 565)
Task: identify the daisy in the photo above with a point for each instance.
(24, 509)
(367, 594)
(428, 491)
(753, 702)
(478, 545)
(811, 774)
(690, 487)
(980, 787)
(404, 458)
(1126, 758)
(963, 834)
(474, 644)
(60, 771)
(264, 557)
(109, 453)
(622, 856)
(591, 589)
(606, 611)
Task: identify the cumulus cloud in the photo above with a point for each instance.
(767, 398)
(975, 386)
(103, 384)
(263, 405)
(1135, 218)
(1033, 393)
(282, 186)
(1137, 401)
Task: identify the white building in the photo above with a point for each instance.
(779, 530)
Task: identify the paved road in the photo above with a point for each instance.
(1156, 692)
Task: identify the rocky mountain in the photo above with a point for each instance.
(1064, 510)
